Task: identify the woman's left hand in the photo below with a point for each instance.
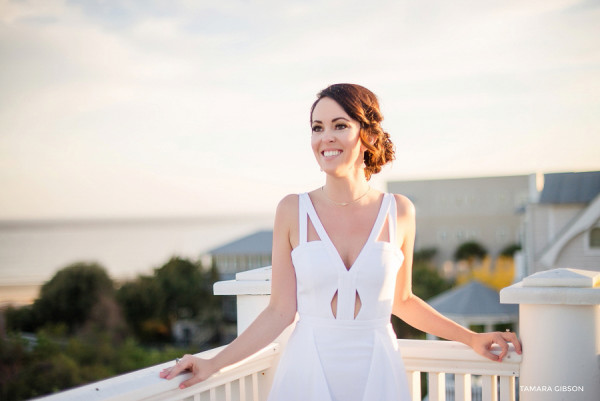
(482, 343)
(201, 370)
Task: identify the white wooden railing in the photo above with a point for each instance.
(439, 359)
(248, 380)
(244, 381)
(556, 358)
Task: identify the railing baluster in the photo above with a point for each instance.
(255, 387)
(489, 387)
(437, 386)
(197, 396)
(242, 384)
(213, 394)
(414, 384)
(462, 387)
(228, 391)
(507, 388)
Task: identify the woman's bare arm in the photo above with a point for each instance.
(272, 321)
(419, 314)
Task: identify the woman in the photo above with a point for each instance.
(342, 259)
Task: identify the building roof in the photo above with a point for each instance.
(470, 300)
(258, 243)
(570, 187)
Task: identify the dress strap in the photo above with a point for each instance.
(316, 222)
(383, 212)
(393, 219)
(302, 219)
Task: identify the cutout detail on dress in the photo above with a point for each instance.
(357, 304)
(334, 304)
(311, 233)
(384, 234)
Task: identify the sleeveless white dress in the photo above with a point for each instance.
(343, 358)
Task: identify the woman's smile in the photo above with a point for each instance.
(331, 153)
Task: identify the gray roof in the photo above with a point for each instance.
(472, 299)
(258, 243)
(570, 187)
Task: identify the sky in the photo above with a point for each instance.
(114, 108)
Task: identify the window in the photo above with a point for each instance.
(595, 238)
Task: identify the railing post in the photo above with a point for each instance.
(559, 320)
(252, 289)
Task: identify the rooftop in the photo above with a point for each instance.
(570, 187)
(258, 243)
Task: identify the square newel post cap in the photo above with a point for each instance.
(563, 286)
(251, 282)
(574, 278)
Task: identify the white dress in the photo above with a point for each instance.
(343, 358)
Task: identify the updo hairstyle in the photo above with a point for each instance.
(361, 105)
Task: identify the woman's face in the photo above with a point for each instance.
(335, 139)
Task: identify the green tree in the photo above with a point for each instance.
(71, 294)
(141, 301)
(180, 289)
(469, 251)
(21, 318)
(510, 250)
(184, 290)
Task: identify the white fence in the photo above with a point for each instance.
(560, 332)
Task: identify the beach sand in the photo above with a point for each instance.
(18, 294)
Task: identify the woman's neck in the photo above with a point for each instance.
(345, 189)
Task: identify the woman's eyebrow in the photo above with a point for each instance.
(334, 120)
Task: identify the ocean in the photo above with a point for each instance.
(31, 252)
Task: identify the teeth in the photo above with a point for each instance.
(328, 153)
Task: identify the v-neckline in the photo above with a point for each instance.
(322, 232)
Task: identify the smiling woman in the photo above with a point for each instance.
(342, 261)
(359, 105)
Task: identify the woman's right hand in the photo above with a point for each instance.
(201, 370)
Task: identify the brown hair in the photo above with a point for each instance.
(361, 105)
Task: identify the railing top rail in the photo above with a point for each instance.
(145, 384)
(455, 357)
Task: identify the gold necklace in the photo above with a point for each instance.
(344, 203)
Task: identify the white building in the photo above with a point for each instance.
(563, 227)
(248, 252)
(450, 212)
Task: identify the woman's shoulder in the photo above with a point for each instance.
(288, 206)
(404, 206)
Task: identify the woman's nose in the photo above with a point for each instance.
(328, 136)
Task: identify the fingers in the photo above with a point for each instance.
(183, 364)
(490, 355)
(512, 337)
(200, 369)
(485, 341)
(165, 372)
(190, 382)
(501, 341)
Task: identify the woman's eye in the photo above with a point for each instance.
(317, 128)
(341, 126)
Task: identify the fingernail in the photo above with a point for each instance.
(181, 386)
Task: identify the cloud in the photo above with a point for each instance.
(185, 94)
